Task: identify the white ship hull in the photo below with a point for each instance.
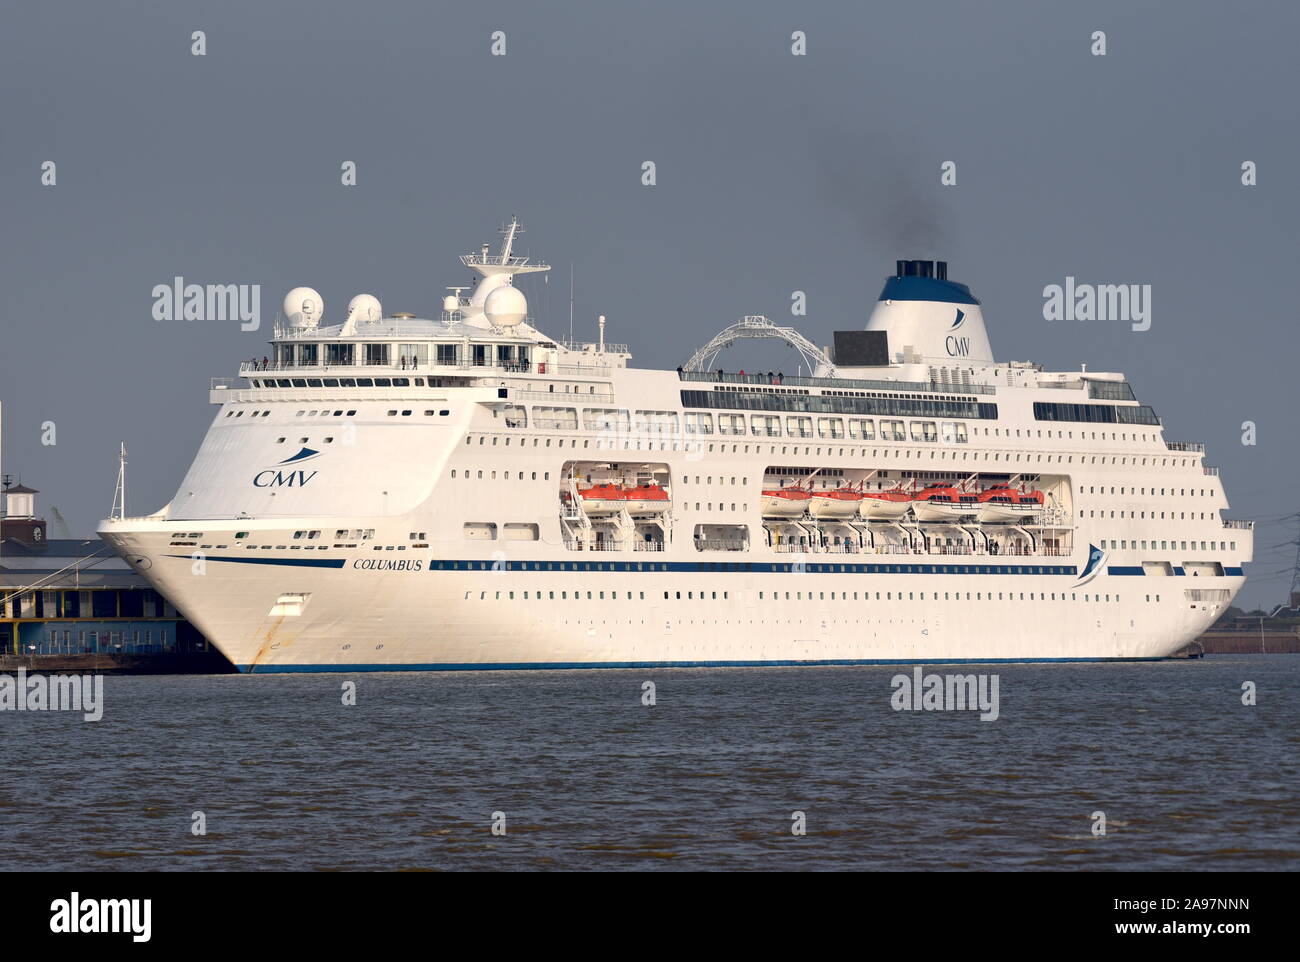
(433, 618)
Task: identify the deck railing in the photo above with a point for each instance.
(778, 379)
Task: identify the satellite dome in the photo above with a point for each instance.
(364, 308)
(303, 308)
(451, 303)
(484, 289)
(506, 307)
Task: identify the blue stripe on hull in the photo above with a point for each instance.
(717, 567)
(565, 666)
(759, 567)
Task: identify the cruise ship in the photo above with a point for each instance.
(463, 491)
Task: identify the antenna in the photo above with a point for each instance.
(118, 511)
(601, 322)
(510, 230)
(1295, 577)
(570, 302)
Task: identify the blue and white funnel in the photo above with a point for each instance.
(929, 316)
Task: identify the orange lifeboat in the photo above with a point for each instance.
(785, 502)
(602, 499)
(998, 503)
(1029, 502)
(885, 505)
(836, 503)
(943, 502)
(646, 499)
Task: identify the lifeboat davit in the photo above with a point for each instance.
(646, 499)
(941, 502)
(785, 502)
(602, 499)
(999, 503)
(884, 505)
(839, 503)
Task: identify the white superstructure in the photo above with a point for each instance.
(464, 492)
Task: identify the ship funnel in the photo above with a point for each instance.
(930, 317)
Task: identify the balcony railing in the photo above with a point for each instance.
(1192, 446)
(1239, 525)
(575, 545)
(369, 369)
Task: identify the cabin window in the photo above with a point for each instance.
(605, 419)
(377, 355)
(699, 423)
(798, 427)
(830, 428)
(413, 356)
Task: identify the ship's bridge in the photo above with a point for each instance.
(486, 333)
(434, 347)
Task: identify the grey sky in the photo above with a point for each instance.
(775, 173)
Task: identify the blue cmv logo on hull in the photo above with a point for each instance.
(272, 478)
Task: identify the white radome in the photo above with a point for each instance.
(364, 308)
(303, 308)
(506, 307)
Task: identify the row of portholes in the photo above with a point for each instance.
(563, 595)
(505, 475)
(1182, 492)
(1122, 544)
(1142, 515)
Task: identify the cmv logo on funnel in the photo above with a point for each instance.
(957, 346)
(275, 477)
